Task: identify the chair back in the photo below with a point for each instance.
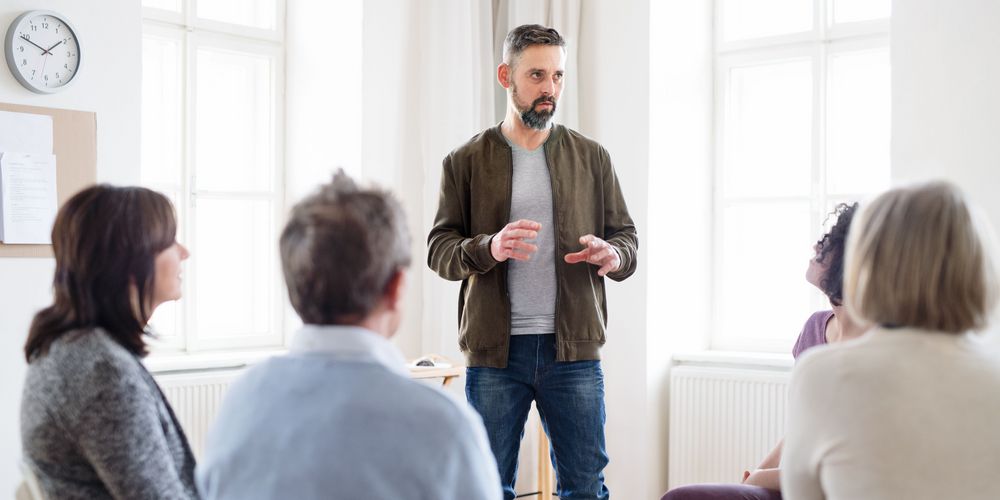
(29, 489)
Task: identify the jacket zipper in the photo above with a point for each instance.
(555, 238)
(506, 267)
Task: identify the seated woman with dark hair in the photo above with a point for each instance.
(94, 423)
(825, 272)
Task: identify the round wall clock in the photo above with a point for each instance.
(42, 51)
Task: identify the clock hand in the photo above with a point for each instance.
(39, 46)
(52, 47)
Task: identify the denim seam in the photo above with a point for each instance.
(538, 357)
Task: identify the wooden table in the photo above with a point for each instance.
(449, 374)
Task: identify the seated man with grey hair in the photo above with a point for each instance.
(338, 416)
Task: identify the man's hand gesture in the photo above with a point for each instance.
(509, 242)
(598, 253)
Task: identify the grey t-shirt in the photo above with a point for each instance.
(532, 283)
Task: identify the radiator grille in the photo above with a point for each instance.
(722, 421)
(195, 398)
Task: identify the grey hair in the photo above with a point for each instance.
(525, 36)
(340, 249)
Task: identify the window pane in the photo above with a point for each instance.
(766, 248)
(768, 130)
(743, 19)
(162, 83)
(846, 11)
(234, 144)
(172, 5)
(858, 122)
(167, 320)
(255, 13)
(235, 264)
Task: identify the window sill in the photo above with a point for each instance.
(735, 359)
(193, 362)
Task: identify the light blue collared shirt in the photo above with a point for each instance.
(338, 417)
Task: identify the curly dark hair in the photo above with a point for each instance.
(830, 249)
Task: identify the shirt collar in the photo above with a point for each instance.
(349, 343)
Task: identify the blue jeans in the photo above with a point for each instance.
(570, 401)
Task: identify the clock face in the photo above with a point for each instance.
(42, 51)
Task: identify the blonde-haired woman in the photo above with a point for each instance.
(912, 409)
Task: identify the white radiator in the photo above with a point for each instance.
(195, 398)
(723, 421)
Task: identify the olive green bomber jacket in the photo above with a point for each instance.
(474, 204)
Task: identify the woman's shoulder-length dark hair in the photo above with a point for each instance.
(105, 240)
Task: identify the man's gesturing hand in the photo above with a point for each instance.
(598, 252)
(509, 242)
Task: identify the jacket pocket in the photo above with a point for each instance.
(485, 313)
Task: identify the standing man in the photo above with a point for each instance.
(531, 218)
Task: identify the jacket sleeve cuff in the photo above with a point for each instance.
(478, 249)
(627, 267)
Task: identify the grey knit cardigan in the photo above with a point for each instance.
(95, 425)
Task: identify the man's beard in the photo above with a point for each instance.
(538, 120)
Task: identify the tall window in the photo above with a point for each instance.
(802, 123)
(212, 140)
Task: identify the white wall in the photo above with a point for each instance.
(614, 110)
(322, 93)
(109, 84)
(945, 99)
(678, 245)
(391, 130)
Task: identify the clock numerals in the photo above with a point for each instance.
(44, 42)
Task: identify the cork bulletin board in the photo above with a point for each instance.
(74, 142)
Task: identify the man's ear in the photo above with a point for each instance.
(503, 75)
(393, 294)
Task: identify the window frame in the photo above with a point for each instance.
(194, 33)
(817, 45)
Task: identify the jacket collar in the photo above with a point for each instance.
(496, 135)
(348, 343)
